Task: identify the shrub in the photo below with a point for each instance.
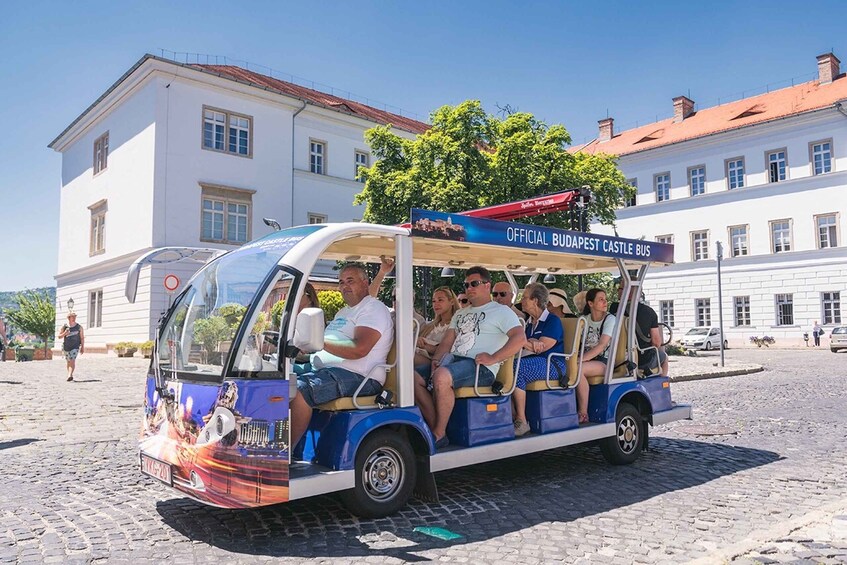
(765, 340)
(276, 313)
(232, 313)
(211, 332)
(676, 349)
(331, 302)
(125, 345)
(35, 314)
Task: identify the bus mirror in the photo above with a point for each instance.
(309, 331)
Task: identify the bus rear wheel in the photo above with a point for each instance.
(385, 475)
(625, 446)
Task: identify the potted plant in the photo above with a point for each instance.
(125, 348)
(146, 349)
(24, 352)
(764, 340)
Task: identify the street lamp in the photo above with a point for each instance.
(70, 305)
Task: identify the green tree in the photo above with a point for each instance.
(34, 314)
(469, 159)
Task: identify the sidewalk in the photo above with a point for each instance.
(684, 368)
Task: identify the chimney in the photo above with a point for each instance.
(683, 107)
(607, 129)
(828, 68)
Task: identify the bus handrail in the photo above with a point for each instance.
(386, 366)
(566, 356)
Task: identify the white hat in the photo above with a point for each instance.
(559, 297)
(579, 300)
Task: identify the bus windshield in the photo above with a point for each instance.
(198, 334)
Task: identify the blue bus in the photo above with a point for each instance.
(216, 405)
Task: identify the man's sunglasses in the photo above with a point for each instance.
(500, 294)
(463, 300)
(474, 284)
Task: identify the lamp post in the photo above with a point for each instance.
(720, 298)
(70, 305)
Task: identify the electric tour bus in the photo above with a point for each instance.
(216, 407)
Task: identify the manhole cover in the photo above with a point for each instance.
(705, 430)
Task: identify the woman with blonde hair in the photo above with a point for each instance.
(444, 304)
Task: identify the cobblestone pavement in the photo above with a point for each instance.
(759, 469)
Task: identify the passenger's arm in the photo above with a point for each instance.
(656, 337)
(363, 341)
(517, 339)
(385, 266)
(597, 349)
(444, 347)
(539, 345)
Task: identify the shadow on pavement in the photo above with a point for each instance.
(18, 442)
(478, 503)
(11, 382)
(87, 380)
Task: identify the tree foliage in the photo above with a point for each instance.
(34, 314)
(469, 159)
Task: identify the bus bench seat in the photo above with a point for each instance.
(620, 358)
(572, 341)
(506, 375)
(368, 402)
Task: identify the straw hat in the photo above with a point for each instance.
(559, 297)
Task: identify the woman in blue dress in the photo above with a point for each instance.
(544, 335)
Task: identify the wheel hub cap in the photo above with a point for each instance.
(628, 434)
(382, 474)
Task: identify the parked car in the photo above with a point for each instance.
(703, 338)
(838, 339)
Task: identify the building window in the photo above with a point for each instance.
(742, 310)
(776, 165)
(632, 200)
(95, 309)
(666, 311)
(697, 180)
(317, 156)
(362, 160)
(738, 241)
(699, 245)
(735, 172)
(662, 185)
(780, 236)
(101, 153)
(827, 230)
(227, 132)
(784, 309)
(821, 157)
(317, 218)
(831, 308)
(227, 214)
(97, 233)
(665, 239)
(703, 312)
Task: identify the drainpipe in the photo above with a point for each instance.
(840, 108)
(292, 160)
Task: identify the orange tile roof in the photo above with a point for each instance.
(781, 103)
(316, 97)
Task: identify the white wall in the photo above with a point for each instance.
(804, 272)
(127, 183)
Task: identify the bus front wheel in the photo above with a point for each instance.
(385, 475)
(625, 446)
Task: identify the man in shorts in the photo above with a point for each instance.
(355, 342)
(73, 343)
(647, 334)
(484, 333)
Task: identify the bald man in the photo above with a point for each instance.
(502, 293)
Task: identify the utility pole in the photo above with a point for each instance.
(720, 298)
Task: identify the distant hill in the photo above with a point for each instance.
(7, 299)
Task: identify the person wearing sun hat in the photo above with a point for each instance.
(558, 303)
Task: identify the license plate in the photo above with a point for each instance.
(160, 470)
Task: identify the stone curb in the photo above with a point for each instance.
(717, 374)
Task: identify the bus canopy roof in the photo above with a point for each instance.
(441, 239)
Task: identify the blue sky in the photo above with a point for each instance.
(566, 62)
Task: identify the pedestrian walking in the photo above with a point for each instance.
(73, 344)
(817, 331)
(3, 341)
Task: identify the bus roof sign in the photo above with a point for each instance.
(461, 228)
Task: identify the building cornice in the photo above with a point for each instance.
(753, 263)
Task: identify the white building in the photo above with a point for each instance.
(195, 155)
(767, 177)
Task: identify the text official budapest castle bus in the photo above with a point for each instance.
(216, 408)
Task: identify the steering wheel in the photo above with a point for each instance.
(667, 333)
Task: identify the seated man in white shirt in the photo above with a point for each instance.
(357, 340)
